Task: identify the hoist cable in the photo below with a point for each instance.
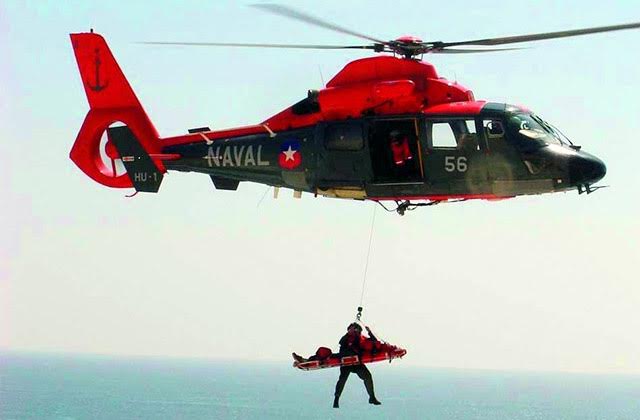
(366, 265)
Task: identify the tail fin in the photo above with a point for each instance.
(111, 100)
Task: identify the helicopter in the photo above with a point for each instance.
(386, 128)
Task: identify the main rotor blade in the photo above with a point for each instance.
(291, 13)
(235, 44)
(540, 36)
(463, 51)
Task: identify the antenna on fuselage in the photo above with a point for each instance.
(321, 78)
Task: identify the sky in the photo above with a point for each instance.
(533, 283)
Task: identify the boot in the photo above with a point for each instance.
(335, 402)
(298, 358)
(374, 401)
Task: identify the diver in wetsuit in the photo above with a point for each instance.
(350, 345)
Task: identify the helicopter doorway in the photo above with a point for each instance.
(395, 151)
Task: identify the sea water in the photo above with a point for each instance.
(94, 387)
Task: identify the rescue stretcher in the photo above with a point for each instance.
(382, 352)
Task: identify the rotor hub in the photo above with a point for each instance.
(409, 39)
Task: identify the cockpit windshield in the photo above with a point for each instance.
(535, 128)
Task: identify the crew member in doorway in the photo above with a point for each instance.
(400, 148)
(353, 344)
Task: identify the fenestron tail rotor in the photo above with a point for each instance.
(111, 162)
(406, 46)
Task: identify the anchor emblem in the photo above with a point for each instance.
(97, 87)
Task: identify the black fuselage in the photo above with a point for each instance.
(500, 152)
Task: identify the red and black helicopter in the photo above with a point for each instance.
(383, 128)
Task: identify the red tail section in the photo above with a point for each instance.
(111, 100)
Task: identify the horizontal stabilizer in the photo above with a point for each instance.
(199, 130)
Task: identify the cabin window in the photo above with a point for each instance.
(442, 135)
(346, 137)
(454, 134)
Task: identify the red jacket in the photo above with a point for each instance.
(401, 151)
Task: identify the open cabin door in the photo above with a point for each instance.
(396, 155)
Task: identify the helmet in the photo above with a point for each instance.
(355, 325)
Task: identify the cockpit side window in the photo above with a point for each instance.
(494, 133)
(456, 133)
(466, 134)
(493, 129)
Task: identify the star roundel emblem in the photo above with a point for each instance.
(290, 156)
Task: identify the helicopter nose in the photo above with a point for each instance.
(586, 169)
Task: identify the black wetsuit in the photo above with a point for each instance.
(350, 346)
